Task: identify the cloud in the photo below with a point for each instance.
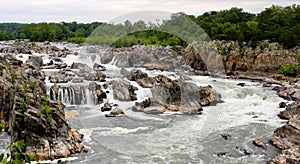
(106, 10)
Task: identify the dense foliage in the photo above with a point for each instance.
(276, 24)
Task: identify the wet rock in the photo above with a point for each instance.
(117, 111)
(98, 67)
(61, 77)
(241, 84)
(77, 80)
(226, 136)
(260, 143)
(140, 106)
(140, 77)
(106, 107)
(282, 105)
(154, 110)
(100, 95)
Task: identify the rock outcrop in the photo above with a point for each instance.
(287, 137)
(30, 116)
(172, 95)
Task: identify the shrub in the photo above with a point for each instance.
(76, 40)
(19, 156)
(46, 110)
(288, 70)
(2, 126)
(32, 85)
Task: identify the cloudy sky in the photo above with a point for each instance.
(27, 11)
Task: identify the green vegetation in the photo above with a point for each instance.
(32, 85)
(288, 70)
(276, 24)
(19, 155)
(13, 75)
(2, 127)
(46, 110)
(22, 107)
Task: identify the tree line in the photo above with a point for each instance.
(276, 24)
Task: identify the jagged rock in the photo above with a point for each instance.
(172, 96)
(290, 111)
(140, 77)
(140, 106)
(287, 137)
(47, 133)
(123, 90)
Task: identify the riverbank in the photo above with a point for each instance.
(262, 64)
(257, 65)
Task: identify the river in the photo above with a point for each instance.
(221, 134)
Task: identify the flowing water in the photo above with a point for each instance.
(222, 134)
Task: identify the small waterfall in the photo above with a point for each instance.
(113, 61)
(52, 94)
(60, 95)
(68, 95)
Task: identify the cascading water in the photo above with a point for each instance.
(247, 113)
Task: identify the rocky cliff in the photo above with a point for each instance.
(27, 112)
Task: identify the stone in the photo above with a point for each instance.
(260, 143)
(117, 111)
(61, 77)
(123, 90)
(35, 62)
(98, 67)
(106, 107)
(282, 105)
(241, 84)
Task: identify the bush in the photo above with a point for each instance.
(288, 70)
(2, 126)
(46, 110)
(76, 40)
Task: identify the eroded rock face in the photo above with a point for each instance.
(32, 117)
(287, 137)
(237, 59)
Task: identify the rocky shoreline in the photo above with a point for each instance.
(262, 64)
(23, 87)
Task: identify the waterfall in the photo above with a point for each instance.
(68, 96)
(113, 61)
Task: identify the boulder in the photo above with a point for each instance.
(260, 143)
(98, 67)
(106, 107)
(282, 105)
(36, 62)
(123, 90)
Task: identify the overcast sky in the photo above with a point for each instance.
(27, 11)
